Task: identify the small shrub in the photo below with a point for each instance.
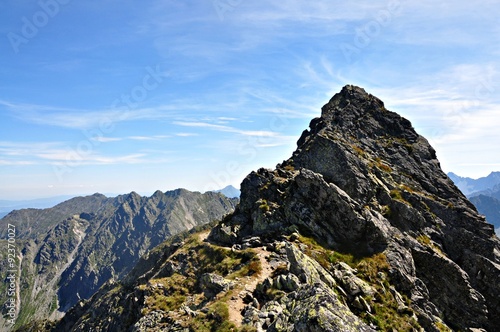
(264, 206)
(406, 188)
(424, 240)
(282, 268)
(254, 267)
(385, 168)
(396, 194)
(442, 328)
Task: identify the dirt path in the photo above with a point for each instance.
(248, 285)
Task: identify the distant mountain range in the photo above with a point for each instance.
(65, 253)
(470, 186)
(7, 206)
(490, 207)
(484, 193)
(230, 192)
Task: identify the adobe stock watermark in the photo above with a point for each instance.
(12, 276)
(366, 33)
(248, 151)
(77, 156)
(224, 6)
(31, 26)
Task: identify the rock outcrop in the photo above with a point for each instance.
(363, 181)
(360, 230)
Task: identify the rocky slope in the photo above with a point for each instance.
(67, 252)
(360, 230)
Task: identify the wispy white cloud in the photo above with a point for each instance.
(228, 129)
(88, 118)
(298, 11)
(69, 158)
(60, 153)
(147, 138)
(186, 134)
(15, 163)
(103, 139)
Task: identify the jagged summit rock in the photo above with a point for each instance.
(360, 230)
(363, 181)
(353, 100)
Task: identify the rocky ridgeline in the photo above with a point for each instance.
(68, 252)
(360, 230)
(363, 181)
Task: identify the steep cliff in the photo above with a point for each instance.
(360, 230)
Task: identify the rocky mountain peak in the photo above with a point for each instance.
(363, 181)
(360, 230)
(361, 115)
(351, 99)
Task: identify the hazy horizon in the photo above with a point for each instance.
(123, 96)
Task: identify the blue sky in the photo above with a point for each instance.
(113, 96)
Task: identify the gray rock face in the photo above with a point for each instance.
(363, 181)
(212, 284)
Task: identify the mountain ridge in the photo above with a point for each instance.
(360, 230)
(6, 206)
(70, 250)
(470, 186)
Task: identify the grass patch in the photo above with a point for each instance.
(358, 150)
(426, 241)
(264, 206)
(406, 188)
(380, 165)
(215, 320)
(396, 194)
(442, 327)
(223, 261)
(385, 168)
(386, 315)
(404, 142)
(168, 297)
